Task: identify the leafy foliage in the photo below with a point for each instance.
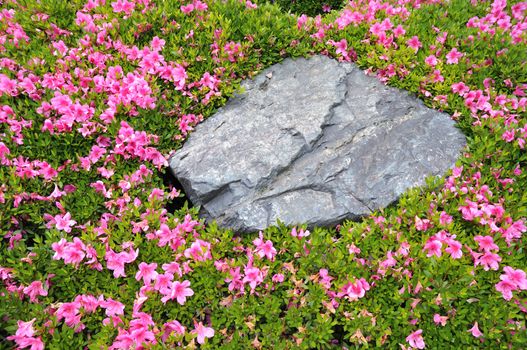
(93, 98)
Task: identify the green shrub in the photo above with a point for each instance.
(308, 7)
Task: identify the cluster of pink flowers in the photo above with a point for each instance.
(93, 66)
(483, 210)
(25, 336)
(487, 258)
(131, 143)
(14, 33)
(116, 261)
(510, 281)
(264, 248)
(75, 252)
(354, 290)
(499, 20)
(434, 244)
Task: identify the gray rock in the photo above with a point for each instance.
(312, 141)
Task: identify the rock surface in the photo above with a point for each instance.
(312, 141)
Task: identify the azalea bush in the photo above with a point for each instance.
(94, 97)
(309, 7)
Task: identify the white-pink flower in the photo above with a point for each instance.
(202, 332)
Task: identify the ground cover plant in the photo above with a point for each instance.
(94, 95)
(308, 7)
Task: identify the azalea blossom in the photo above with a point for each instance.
(254, 276)
(488, 261)
(433, 247)
(453, 56)
(24, 336)
(34, 290)
(454, 248)
(202, 332)
(264, 248)
(64, 222)
(475, 330)
(416, 340)
(147, 272)
(299, 234)
(438, 319)
(431, 60)
(486, 243)
(179, 291)
(414, 43)
(422, 224)
(518, 277)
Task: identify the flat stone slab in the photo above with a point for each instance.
(312, 141)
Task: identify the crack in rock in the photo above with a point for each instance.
(312, 141)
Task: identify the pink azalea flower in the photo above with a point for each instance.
(518, 277)
(325, 278)
(460, 88)
(179, 291)
(123, 6)
(399, 31)
(486, 243)
(438, 319)
(433, 247)
(71, 315)
(341, 48)
(35, 290)
(172, 327)
(355, 291)
(113, 307)
(74, 252)
(299, 234)
(454, 248)
(24, 336)
(235, 279)
(414, 43)
(254, 276)
(186, 9)
(147, 272)
(416, 340)
(116, 261)
(506, 287)
(422, 224)
(25, 329)
(431, 60)
(202, 332)
(301, 21)
(59, 248)
(200, 6)
(475, 330)
(453, 56)
(163, 282)
(199, 251)
(88, 302)
(514, 231)
(64, 223)
(489, 261)
(278, 278)
(264, 248)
